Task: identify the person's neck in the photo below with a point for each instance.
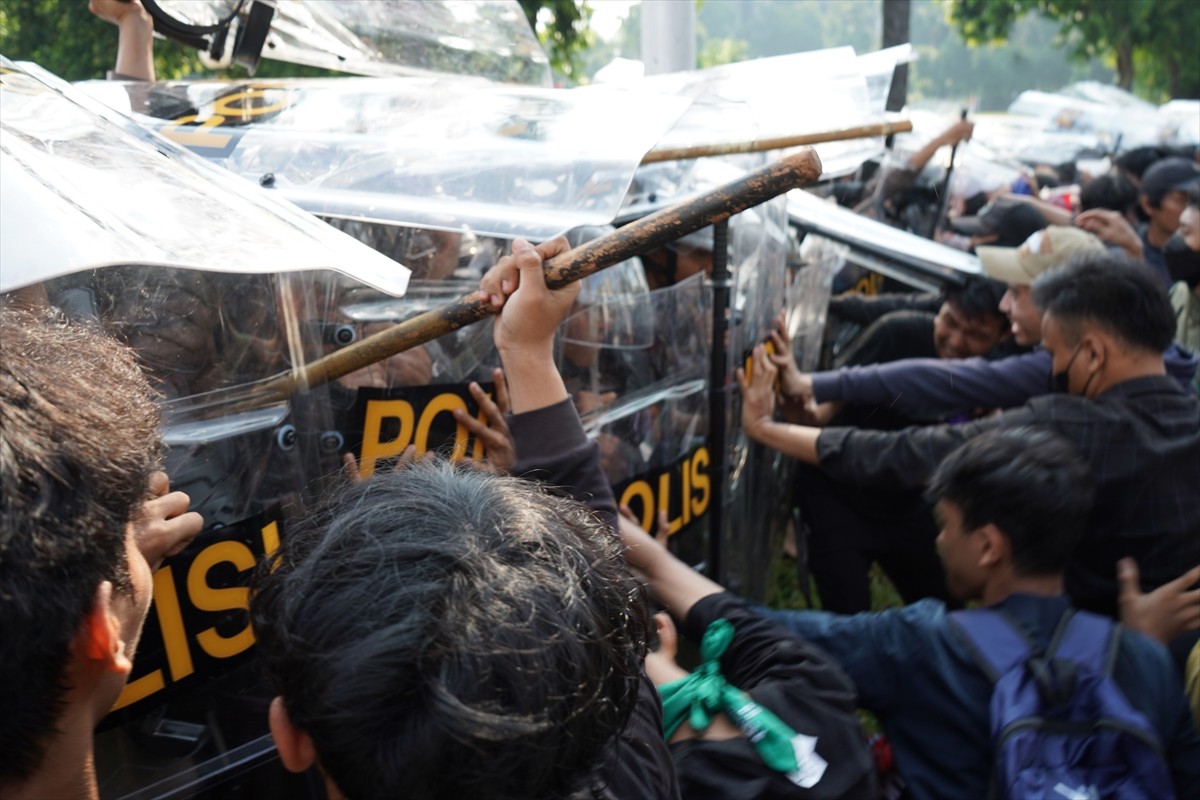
(67, 770)
(1127, 370)
(1002, 587)
(1157, 236)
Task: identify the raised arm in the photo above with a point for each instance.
(135, 38)
(530, 314)
(551, 445)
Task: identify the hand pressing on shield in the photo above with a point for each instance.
(530, 313)
(758, 393)
(662, 528)
(354, 474)
(796, 387)
(793, 384)
(163, 525)
(500, 449)
(758, 413)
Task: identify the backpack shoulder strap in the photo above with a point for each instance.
(1088, 640)
(995, 643)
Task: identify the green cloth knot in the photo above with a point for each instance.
(705, 693)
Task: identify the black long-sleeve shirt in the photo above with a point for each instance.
(1142, 439)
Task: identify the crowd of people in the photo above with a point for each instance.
(1020, 454)
(442, 631)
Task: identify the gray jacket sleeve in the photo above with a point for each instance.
(923, 384)
(553, 448)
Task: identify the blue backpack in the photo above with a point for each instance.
(1061, 726)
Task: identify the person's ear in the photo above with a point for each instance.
(295, 747)
(1099, 353)
(668, 637)
(1146, 205)
(994, 547)
(99, 637)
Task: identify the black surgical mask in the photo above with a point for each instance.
(1060, 382)
(1183, 263)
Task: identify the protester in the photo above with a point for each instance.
(446, 632)
(911, 667)
(1163, 197)
(956, 386)
(1106, 327)
(883, 197)
(85, 517)
(1112, 192)
(849, 527)
(780, 715)
(961, 322)
(1182, 256)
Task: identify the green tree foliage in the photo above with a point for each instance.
(65, 38)
(564, 28)
(778, 28)
(948, 67)
(1151, 43)
(990, 77)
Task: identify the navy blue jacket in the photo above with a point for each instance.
(934, 384)
(932, 699)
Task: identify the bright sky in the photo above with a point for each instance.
(607, 16)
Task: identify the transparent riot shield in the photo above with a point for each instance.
(194, 705)
(636, 363)
(758, 484)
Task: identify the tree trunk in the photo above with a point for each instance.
(1125, 67)
(895, 31)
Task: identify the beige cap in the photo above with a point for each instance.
(1045, 249)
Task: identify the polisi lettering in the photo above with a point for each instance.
(683, 490)
(195, 596)
(415, 422)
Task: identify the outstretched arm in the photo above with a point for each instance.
(924, 383)
(960, 131)
(758, 413)
(676, 585)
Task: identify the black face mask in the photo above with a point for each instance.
(1060, 381)
(1183, 263)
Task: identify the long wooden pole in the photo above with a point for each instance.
(649, 232)
(777, 143)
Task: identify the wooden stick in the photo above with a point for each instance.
(644, 234)
(777, 143)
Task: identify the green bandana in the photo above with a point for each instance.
(705, 693)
